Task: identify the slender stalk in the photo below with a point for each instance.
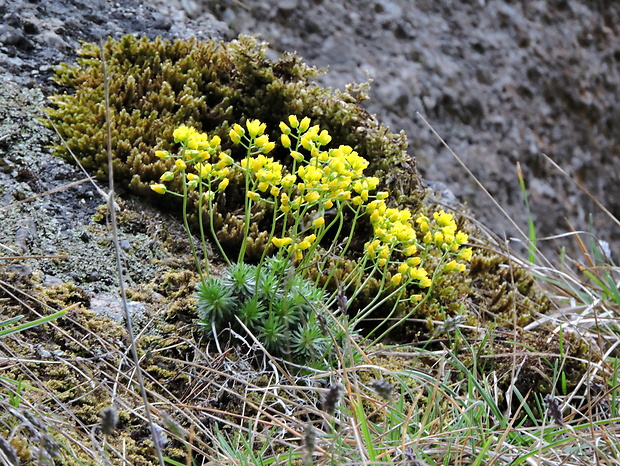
(117, 252)
(203, 239)
(187, 229)
(212, 228)
(247, 205)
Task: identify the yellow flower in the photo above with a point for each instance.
(261, 141)
(413, 261)
(268, 147)
(422, 222)
(410, 250)
(284, 128)
(280, 242)
(204, 169)
(192, 177)
(426, 282)
(324, 138)
(303, 125)
(255, 128)
(370, 247)
(318, 222)
(438, 238)
(234, 137)
(223, 184)
(167, 176)
(384, 251)
(418, 273)
(328, 204)
(180, 165)
(263, 186)
(461, 238)
(448, 238)
(402, 268)
(288, 181)
(297, 156)
(306, 142)
(286, 141)
(159, 188)
(222, 172)
(182, 133)
(382, 262)
(312, 196)
(226, 158)
(450, 266)
(442, 218)
(396, 279)
(161, 154)
(292, 120)
(253, 196)
(465, 254)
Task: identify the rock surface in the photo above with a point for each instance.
(500, 82)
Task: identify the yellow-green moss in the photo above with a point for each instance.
(158, 85)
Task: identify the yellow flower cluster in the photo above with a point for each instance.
(267, 173)
(326, 179)
(442, 232)
(254, 138)
(198, 153)
(321, 180)
(394, 233)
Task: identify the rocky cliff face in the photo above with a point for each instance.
(501, 81)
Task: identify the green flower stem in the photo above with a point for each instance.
(203, 239)
(397, 292)
(271, 236)
(405, 317)
(358, 286)
(187, 229)
(247, 205)
(373, 303)
(212, 228)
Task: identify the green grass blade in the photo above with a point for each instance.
(34, 323)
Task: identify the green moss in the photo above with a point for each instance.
(158, 85)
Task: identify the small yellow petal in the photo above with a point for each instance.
(319, 222)
(223, 184)
(159, 188)
(292, 120)
(253, 196)
(396, 279)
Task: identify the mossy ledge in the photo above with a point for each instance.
(158, 85)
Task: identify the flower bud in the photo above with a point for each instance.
(159, 188)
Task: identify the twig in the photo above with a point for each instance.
(51, 191)
(117, 251)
